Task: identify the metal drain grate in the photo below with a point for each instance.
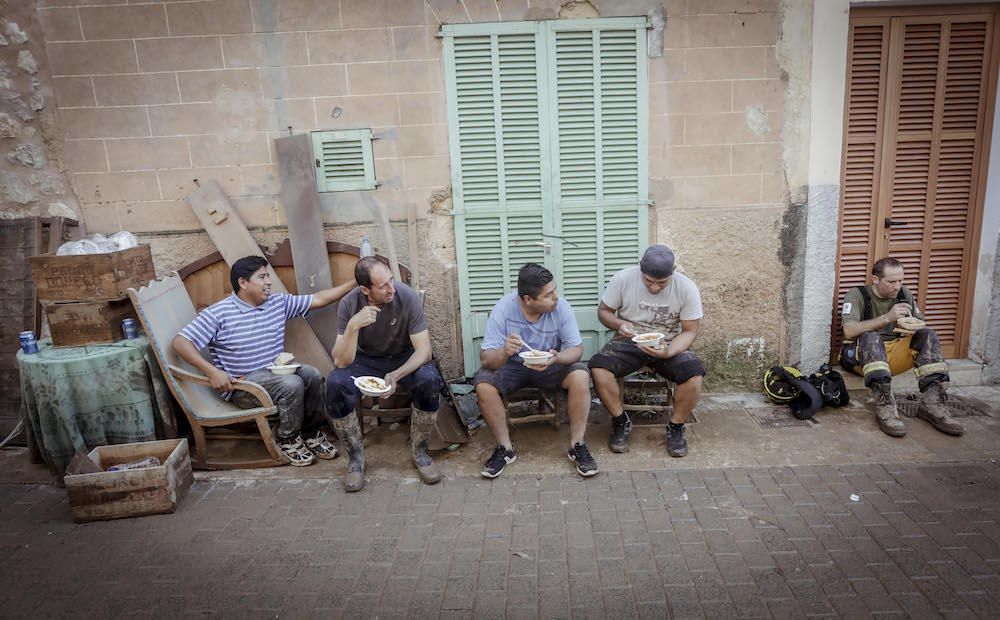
(775, 417)
(958, 406)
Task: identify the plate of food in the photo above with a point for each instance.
(371, 386)
(649, 339)
(284, 369)
(534, 357)
(910, 323)
(283, 364)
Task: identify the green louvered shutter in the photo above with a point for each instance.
(599, 111)
(547, 137)
(497, 153)
(344, 160)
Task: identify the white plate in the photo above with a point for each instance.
(367, 391)
(655, 344)
(535, 360)
(287, 369)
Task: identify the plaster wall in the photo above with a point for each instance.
(984, 338)
(154, 95)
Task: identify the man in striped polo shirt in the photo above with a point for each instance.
(244, 334)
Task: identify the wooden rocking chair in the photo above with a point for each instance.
(164, 308)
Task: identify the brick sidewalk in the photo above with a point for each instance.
(779, 542)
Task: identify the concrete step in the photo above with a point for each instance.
(964, 373)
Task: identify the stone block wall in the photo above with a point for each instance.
(30, 181)
(154, 95)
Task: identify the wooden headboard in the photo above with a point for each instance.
(207, 279)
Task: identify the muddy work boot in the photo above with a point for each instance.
(885, 410)
(349, 431)
(621, 426)
(933, 409)
(421, 428)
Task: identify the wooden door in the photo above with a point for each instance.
(918, 115)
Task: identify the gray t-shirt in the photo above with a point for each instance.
(663, 312)
(389, 335)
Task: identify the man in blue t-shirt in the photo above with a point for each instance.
(245, 333)
(533, 320)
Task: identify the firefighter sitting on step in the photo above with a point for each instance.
(875, 348)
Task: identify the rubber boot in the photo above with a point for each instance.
(933, 410)
(885, 410)
(421, 427)
(349, 430)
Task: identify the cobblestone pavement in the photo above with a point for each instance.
(854, 541)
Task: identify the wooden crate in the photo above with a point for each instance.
(91, 277)
(88, 322)
(134, 492)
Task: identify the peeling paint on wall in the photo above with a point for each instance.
(757, 120)
(751, 348)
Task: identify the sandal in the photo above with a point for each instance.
(321, 446)
(296, 452)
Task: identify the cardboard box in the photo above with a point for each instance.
(88, 322)
(91, 277)
(132, 492)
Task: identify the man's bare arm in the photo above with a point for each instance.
(219, 379)
(610, 319)
(330, 295)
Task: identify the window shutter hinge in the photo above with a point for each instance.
(318, 164)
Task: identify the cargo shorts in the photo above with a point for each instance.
(622, 357)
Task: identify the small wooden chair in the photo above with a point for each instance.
(398, 405)
(549, 405)
(638, 382)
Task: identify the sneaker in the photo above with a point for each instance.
(886, 413)
(677, 444)
(621, 426)
(295, 451)
(586, 466)
(321, 446)
(501, 458)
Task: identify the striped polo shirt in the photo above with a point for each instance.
(244, 338)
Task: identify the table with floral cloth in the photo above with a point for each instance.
(95, 395)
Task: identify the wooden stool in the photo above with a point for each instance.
(634, 382)
(397, 405)
(549, 404)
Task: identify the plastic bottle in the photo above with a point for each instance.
(149, 461)
(366, 247)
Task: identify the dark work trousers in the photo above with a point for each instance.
(342, 395)
(877, 360)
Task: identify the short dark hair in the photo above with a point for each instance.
(245, 268)
(531, 279)
(363, 270)
(878, 269)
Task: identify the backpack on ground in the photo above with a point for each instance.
(831, 387)
(786, 385)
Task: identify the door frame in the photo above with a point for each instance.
(983, 147)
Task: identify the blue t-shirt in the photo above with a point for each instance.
(554, 330)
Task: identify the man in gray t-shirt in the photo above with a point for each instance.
(650, 298)
(382, 332)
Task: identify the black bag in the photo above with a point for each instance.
(831, 387)
(785, 385)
